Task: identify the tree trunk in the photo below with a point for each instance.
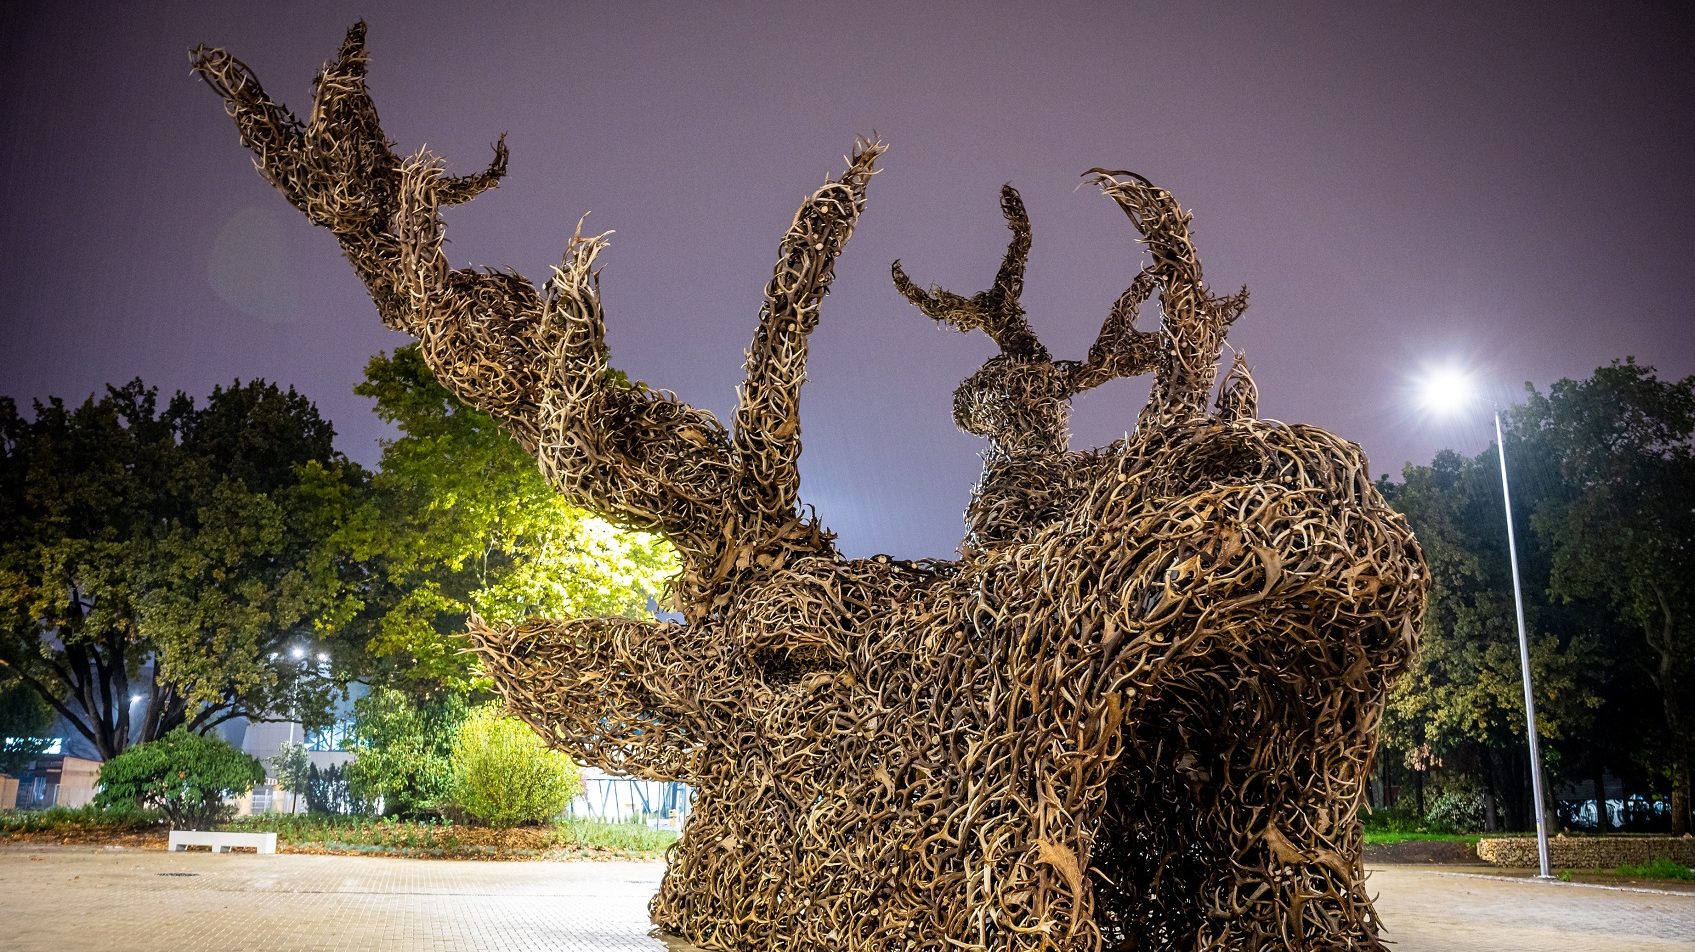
(1680, 797)
(1602, 823)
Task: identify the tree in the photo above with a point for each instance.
(504, 775)
(25, 720)
(174, 553)
(186, 776)
(292, 767)
(405, 747)
(1462, 699)
(460, 521)
(1625, 533)
(328, 791)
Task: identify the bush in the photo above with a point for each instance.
(404, 746)
(1457, 809)
(503, 774)
(185, 776)
(329, 791)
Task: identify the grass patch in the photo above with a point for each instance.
(1657, 868)
(1379, 837)
(635, 838)
(362, 834)
(313, 833)
(80, 820)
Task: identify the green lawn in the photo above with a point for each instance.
(1387, 836)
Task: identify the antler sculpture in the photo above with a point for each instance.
(1137, 713)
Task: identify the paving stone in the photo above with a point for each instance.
(55, 899)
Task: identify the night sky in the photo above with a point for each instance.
(1400, 185)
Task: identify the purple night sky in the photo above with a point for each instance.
(1399, 185)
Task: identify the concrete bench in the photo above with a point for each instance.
(222, 842)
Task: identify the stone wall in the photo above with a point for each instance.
(1587, 852)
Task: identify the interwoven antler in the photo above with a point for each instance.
(537, 360)
(1194, 320)
(1137, 713)
(996, 311)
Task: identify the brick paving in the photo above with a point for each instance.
(55, 898)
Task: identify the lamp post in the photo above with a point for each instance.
(1448, 392)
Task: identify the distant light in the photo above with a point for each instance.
(299, 653)
(322, 657)
(1446, 391)
(133, 698)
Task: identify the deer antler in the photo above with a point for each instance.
(766, 435)
(997, 311)
(537, 360)
(1120, 350)
(1194, 320)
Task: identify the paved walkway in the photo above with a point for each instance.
(58, 899)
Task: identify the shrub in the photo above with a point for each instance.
(329, 791)
(503, 774)
(404, 746)
(292, 766)
(1456, 809)
(183, 775)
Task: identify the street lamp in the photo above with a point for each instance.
(1448, 391)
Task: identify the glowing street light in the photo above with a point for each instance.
(1446, 392)
(298, 652)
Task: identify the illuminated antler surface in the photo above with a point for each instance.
(1136, 714)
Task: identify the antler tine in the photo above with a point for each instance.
(1120, 350)
(1194, 320)
(766, 428)
(1008, 288)
(996, 311)
(458, 189)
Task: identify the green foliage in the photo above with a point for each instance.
(1602, 472)
(503, 774)
(1417, 836)
(1623, 534)
(460, 521)
(121, 817)
(443, 838)
(187, 538)
(1657, 868)
(292, 767)
(1459, 808)
(183, 775)
(636, 839)
(404, 746)
(25, 720)
(329, 791)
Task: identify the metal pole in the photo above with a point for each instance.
(1524, 662)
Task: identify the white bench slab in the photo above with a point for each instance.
(221, 842)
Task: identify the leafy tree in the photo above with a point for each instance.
(405, 746)
(1625, 532)
(292, 767)
(328, 791)
(460, 521)
(503, 774)
(172, 552)
(186, 776)
(25, 720)
(1462, 701)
